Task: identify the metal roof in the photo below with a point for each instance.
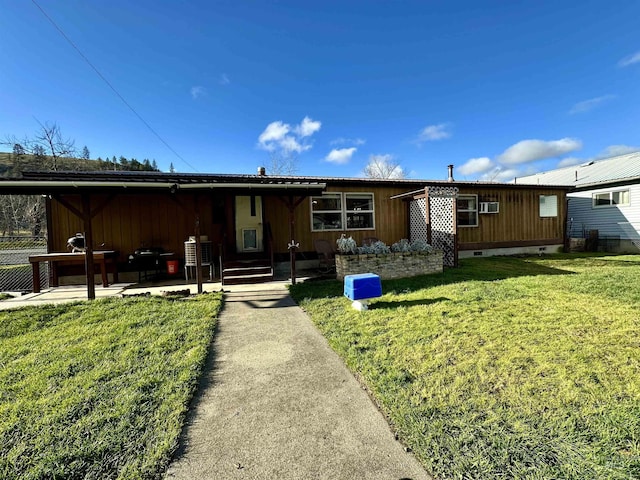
(70, 182)
(620, 169)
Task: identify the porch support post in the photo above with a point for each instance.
(88, 244)
(198, 243)
(292, 246)
(428, 213)
(291, 206)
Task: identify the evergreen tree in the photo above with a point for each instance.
(154, 165)
(171, 168)
(85, 153)
(18, 150)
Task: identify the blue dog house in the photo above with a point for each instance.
(362, 287)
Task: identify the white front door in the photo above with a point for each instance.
(249, 223)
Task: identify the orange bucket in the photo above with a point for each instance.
(172, 267)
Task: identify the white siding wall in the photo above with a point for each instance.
(621, 221)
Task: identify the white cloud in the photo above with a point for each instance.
(280, 136)
(629, 60)
(340, 156)
(273, 134)
(290, 144)
(615, 150)
(433, 132)
(532, 150)
(198, 91)
(224, 79)
(348, 141)
(307, 127)
(474, 166)
(586, 105)
(569, 161)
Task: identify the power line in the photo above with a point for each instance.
(112, 87)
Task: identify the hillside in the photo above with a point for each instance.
(12, 165)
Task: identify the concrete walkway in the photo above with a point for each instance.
(277, 403)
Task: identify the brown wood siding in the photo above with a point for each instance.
(518, 219)
(391, 217)
(130, 221)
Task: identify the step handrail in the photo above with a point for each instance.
(269, 235)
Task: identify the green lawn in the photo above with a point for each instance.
(99, 389)
(504, 367)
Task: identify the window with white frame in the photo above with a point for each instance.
(610, 199)
(467, 207)
(342, 211)
(548, 206)
(359, 210)
(326, 212)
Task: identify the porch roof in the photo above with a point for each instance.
(153, 182)
(477, 185)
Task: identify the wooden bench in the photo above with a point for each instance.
(101, 258)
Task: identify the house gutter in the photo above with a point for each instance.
(318, 186)
(154, 185)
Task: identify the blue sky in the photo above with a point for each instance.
(497, 88)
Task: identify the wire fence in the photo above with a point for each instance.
(15, 269)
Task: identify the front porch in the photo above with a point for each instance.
(77, 293)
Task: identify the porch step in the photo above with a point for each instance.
(245, 279)
(247, 271)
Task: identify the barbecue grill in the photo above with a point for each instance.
(149, 260)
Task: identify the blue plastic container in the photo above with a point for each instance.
(362, 286)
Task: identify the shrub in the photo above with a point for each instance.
(376, 248)
(347, 245)
(404, 246)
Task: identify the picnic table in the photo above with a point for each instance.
(100, 257)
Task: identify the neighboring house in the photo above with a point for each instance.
(604, 203)
(248, 219)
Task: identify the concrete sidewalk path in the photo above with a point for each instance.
(277, 403)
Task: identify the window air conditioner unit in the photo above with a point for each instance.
(489, 207)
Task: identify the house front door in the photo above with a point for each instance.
(249, 224)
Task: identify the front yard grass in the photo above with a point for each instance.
(99, 389)
(504, 367)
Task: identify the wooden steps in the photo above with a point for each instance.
(236, 272)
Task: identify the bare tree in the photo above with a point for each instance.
(21, 213)
(56, 146)
(47, 142)
(383, 166)
(282, 163)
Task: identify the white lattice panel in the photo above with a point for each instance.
(443, 222)
(418, 222)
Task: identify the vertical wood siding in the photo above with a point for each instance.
(518, 219)
(156, 220)
(391, 220)
(129, 222)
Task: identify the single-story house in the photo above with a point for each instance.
(246, 219)
(604, 202)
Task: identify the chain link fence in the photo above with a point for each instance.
(15, 269)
